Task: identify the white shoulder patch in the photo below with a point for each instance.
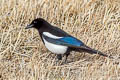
(57, 49)
(51, 35)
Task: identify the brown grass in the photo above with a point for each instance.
(24, 57)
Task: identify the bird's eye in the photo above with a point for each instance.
(35, 22)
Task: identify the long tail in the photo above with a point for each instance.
(93, 51)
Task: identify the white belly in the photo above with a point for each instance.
(57, 49)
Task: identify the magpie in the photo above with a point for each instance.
(58, 41)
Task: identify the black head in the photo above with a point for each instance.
(37, 23)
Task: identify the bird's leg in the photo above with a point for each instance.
(59, 57)
(67, 54)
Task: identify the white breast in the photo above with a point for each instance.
(57, 49)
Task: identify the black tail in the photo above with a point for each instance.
(93, 51)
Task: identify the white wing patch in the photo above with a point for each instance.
(51, 35)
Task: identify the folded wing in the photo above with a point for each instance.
(65, 41)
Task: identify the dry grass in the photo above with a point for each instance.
(24, 57)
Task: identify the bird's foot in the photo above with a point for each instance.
(59, 59)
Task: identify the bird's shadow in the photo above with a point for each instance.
(75, 57)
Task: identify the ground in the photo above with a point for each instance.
(24, 57)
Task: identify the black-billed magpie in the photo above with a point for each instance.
(59, 42)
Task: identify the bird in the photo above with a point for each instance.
(58, 41)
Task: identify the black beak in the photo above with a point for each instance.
(29, 26)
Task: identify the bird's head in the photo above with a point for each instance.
(36, 23)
